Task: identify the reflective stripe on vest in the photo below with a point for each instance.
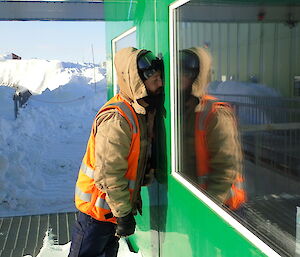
(90, 199)
(236, 195)
(128, 113)
(90, 173)
(87, 170)
(101, 203)
(83, 196)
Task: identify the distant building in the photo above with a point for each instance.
(15, 57)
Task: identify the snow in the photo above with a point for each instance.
(4, 57)
(245, 97)
(37, 75)
(42, 149)
(50, 249)
(232, 87)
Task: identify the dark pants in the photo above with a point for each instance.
(93, 238)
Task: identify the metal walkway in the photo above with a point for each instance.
(20, 236)
(273, 219)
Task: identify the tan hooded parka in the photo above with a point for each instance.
(113, 138)
(222, 137)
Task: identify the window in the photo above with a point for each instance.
(126, 39)
(236, 120)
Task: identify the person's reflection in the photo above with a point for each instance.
(209, 127)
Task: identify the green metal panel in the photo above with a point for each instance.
(198, 230)
(119, 18)
(254, 50)
(215, 51)
(174, 221)
(268, 54)
(224, 48)
(297, 53)
(243, 51)
(232, 50)
(284, 43)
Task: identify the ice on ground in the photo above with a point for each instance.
(50, 249)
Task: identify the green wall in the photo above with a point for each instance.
(268, 51)
(174, 221)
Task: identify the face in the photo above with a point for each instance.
(186, 84)
(154, 83)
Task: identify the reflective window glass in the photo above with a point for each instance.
(236, 89)
(126, 39)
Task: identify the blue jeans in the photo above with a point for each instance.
(93, 238)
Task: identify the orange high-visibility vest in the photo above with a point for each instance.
(237, 194)
(88, 198)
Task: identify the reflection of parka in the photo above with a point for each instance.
(113, 139)
(222, 137)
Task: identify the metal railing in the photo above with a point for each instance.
(270, 130)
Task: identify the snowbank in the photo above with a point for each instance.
(232, 87)
(41, 151)
(4, 57)
(39, 75)
(254, 103)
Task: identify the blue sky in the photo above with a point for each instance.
(65, 41)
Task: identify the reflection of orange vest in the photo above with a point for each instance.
(88, 198)
(237, 195)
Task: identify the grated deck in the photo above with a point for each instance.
(20, 236)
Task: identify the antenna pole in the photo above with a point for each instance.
(94, 68)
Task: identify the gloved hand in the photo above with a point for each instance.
(125, 225)
(139, 205)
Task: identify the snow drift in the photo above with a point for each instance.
(41, 151)
(38, 75)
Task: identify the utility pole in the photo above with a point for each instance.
(94, 68)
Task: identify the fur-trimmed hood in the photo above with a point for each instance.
(131, 86)
(199, 87)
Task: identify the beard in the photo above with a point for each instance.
(154, 100)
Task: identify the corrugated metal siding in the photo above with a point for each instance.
(268, 52)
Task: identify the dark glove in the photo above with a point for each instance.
(139, 204)
(125, 225)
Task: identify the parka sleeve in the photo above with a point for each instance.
(112, 146)
(225, 152)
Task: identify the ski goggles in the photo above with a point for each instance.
(189, 64)
(148, 64)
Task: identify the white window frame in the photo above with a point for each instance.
(114, 42)
(174, 147)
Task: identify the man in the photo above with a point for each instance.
(119, 148)
(209, 127)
